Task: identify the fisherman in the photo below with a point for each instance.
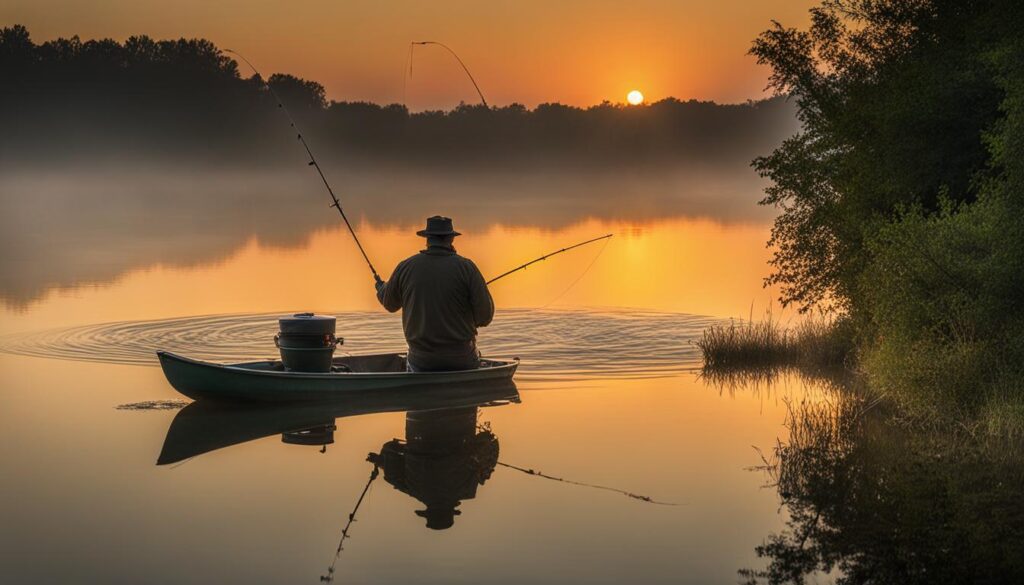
(443, 298)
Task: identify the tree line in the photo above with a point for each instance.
(68, 97)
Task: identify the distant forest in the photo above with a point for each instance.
(72, 100)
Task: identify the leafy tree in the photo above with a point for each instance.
(942, 288)
(895, 98)
(902, 197)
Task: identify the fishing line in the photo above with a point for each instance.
(580, 277)
(312, 161)
(628, 494)
(454, 54)
(405, 79)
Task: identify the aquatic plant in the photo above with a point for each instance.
(815, 341)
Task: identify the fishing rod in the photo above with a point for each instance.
(546, 256)
(329, 577)
(312, 162)
(449, 49)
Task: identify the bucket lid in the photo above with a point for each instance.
(307, 324)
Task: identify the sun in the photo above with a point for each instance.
(635, 98)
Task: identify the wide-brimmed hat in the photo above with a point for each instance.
(438, 226)
(439, 517)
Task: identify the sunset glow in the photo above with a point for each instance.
(681, 48)
(386, 261)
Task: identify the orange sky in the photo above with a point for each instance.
(529, 51)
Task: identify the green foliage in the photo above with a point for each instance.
(895, 98)
(944, 297)
(943, 289)
(903, 198)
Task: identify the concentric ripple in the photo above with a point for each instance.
(553, 345)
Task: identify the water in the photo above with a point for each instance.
(565, 345)
(612, 460)
(100, 269)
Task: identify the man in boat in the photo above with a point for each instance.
(443, 298)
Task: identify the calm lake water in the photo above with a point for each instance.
(100, 269)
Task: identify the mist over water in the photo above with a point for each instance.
(167, 206)
(124, 155)
(157, 196)
(89, 226)
(101, 265)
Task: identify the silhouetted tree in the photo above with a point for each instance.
(185, 98)
(298, 93)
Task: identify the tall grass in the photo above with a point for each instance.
(927, 389)
(816, 341)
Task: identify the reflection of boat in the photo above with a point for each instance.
(267, 380)
(204, 425)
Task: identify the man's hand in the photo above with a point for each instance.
(379, 285)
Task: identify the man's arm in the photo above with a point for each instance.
(389, 293)
(479, 297)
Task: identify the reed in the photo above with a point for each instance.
(816, 341)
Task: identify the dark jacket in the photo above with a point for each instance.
(444, 299)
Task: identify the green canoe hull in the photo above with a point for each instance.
(267, 380)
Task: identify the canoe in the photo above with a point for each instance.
(205, 425)
(267, 380)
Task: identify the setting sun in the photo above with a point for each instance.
(635, 98)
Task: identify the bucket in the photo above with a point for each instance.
(306, 342)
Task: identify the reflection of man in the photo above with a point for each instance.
(441, 463)
(443, 298)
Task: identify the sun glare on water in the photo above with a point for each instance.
(635, 98)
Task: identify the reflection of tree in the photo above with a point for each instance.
(877, 503)
(444, 459)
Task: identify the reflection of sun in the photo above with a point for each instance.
(635, 98)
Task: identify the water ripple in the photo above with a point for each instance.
(553, 344)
